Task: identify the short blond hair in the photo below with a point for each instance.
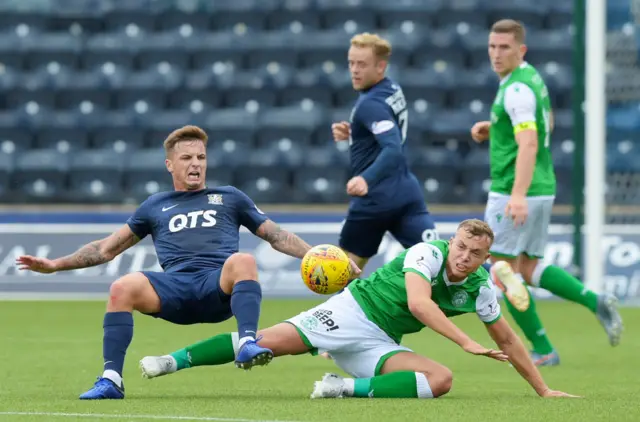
(510, 26)
(185, 133)
(477, 227)
(381, 47)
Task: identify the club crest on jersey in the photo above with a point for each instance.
(459, 298)
(215, 199)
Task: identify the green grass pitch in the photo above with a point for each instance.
(51, 352)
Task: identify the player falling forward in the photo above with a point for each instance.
(362, 327)
(386, 196)
(523, 191)
(195, 231)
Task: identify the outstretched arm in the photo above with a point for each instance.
(507, 340)
(282, 240)
(94, 253)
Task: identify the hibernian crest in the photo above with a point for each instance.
(215, 199)
(459, 298)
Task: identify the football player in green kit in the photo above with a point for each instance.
(362, 327)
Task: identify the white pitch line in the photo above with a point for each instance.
(116, 416)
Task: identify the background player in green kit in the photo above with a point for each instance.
(362, 327)
(523, 188)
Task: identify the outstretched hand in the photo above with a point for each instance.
(476, 349)
(36, 264)
(554, 393)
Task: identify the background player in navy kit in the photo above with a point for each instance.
(205, 279)
(386, 195)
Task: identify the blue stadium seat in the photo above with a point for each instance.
(218, 176)
(317, 185)
(151, 57)
(118, 139)
(205, 58)
(70, 98)
(550, 46)
(96, 176)
(295, 123)
(285, 152)
(253, 20)
(40, 175)
(96, 58)
(562, 151)
(475, 175)
(139, 99)
(123, 20)
(241, 96)
(294, 95)
(294, 20)
(453, 18)
(13, 140)
(419, 12)
(264, 184)
(175, 19)
(204, 100)
(531, 14)
(6, 169)
(63, 140)
(229, 152)
(146, 174)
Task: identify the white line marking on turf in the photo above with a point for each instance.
(117, 416)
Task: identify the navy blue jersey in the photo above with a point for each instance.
(379, 122)
(195, 230)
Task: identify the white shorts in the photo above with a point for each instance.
(530, 238)
(339, 326)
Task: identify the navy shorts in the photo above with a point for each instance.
(361, 235)
(190, 298)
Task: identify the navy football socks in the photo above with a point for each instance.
(245, 305)
(118, 332)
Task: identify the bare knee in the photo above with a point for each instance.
(440, 381)
(241, 266)
(130, 292)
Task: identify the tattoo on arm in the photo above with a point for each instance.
(98, 252)
(87, 256)
(282, 240)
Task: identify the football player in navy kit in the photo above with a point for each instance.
(386, 196)
(195, 232)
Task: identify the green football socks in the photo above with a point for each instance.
(403, 384)
(216, 350)
(530, 324)
(564, 285)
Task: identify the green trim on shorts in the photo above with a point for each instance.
(530, 256)
(385, 358)
(305, 340)
(502, 255)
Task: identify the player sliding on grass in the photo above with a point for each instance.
(195, 232)
(523, 188)
(362, 327)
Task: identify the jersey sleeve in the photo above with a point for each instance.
(423, 259)
(378, 118)
(487, 306)
(250, 215)
(140, 222)
(520, 105)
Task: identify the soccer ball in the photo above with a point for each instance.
(325, 269)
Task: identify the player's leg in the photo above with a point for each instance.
(506, 244)
(131, 292)
(239, 279)
(415, 225)
(559, 282)
(386, 371)
(282, 339)
(361, 239)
